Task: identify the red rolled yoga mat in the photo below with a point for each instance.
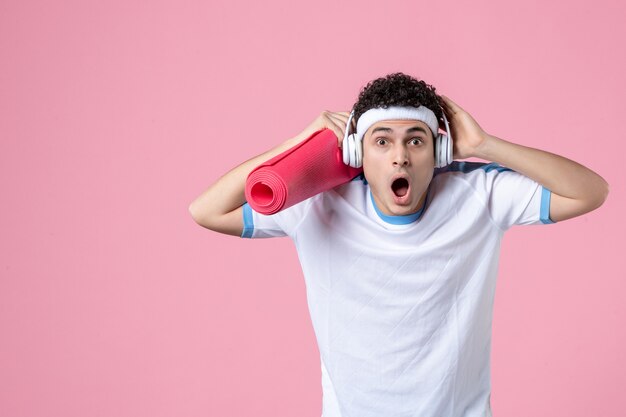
(313, 166)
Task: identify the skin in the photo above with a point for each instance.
(386, 154)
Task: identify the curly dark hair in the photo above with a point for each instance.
(398, 89)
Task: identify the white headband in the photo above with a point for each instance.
(377, 114)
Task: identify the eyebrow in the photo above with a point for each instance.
(409, 130)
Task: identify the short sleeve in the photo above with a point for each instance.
(513, 198)
(283, 223)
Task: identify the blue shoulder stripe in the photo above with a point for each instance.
(248, 222)
(545, 206)
(468, 166)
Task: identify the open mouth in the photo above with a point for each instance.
(400, 186)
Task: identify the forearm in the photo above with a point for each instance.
(556, 173)
(228, 192)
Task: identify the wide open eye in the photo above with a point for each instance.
(379, 140)
(416, 141)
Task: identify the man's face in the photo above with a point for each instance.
(398, 163)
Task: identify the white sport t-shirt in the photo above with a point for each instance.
(402, 306)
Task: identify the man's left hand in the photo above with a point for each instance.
(467, 135)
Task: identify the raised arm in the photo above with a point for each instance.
(219, 208)
(576, 189)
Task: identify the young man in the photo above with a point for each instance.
(400, 263)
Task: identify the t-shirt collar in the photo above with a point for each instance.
(401, 219)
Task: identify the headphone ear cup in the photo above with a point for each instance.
(448, 150)
(351, 151)
(346, 151)
(358, 153)
(438, 146)
(443, 151)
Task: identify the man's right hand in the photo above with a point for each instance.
(219, 208)
(335, 121)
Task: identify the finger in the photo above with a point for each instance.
(341, 120)
(450, 105)
(339, 115)
(445, 102)
(339, 131)
(449, 114)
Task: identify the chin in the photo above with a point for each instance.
(403, 211)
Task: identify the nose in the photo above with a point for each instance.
(400, 156)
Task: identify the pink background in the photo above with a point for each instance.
(115, 115)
